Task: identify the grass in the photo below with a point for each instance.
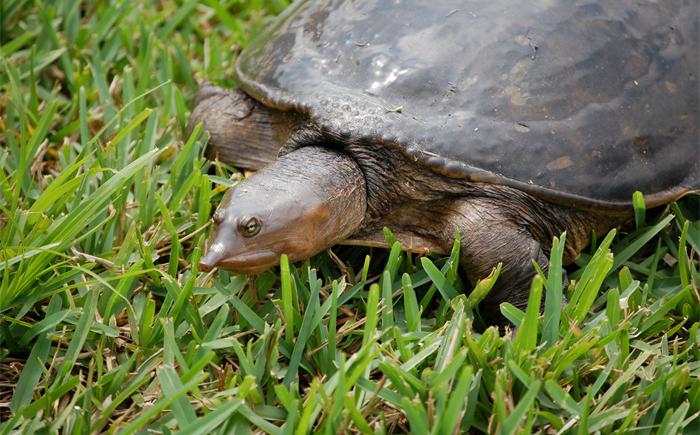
(107, 325)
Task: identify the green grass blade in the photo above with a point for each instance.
(526, 337)
(553, 295)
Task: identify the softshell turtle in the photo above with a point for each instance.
(508, 121)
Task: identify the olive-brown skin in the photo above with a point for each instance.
(529, 139)
(285, 209)
(313, 197)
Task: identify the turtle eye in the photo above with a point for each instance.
(218, 217)
(249, 227)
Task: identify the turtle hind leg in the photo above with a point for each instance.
(515, 234)
(242, 132)
(485, 246)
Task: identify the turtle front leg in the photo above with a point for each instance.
(242, 132)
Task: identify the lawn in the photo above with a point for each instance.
(107, 325)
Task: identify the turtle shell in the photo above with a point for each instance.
(580, 102)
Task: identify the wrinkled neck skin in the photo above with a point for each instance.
(300, 205)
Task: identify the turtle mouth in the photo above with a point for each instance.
(249, 263)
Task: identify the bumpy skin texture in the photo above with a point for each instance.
(578, 102)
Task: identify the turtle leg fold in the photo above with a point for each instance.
(242, 132)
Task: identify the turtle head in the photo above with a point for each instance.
(305, 202)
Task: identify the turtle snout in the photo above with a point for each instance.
(212, 257)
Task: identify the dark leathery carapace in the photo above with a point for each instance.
(508, 121)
